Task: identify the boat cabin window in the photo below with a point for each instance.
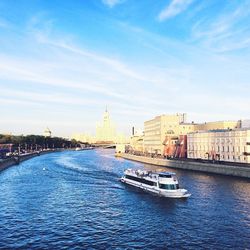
(141, 180)
(165, 175)
(169, 186)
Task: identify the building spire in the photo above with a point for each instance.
(106, 109)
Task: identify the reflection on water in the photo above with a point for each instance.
(78, 202)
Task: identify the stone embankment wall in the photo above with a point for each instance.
(195, 166)
(6, 163)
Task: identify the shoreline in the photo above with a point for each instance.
(192, 165)
(15, 160)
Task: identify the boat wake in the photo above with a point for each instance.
(69, 164)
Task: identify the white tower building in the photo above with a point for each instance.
(47, 132)
(105, 130)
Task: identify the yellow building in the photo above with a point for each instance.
(223, 145)
(137, 143)
(156, 130)
(218, 125)
(172, 126)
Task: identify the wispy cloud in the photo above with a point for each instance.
(41, 100)
(43, 35)
(173, 9)
(226, 31)
(94, 78)
(115, 64)
(14, 69)
(51, 74)
(112, 3)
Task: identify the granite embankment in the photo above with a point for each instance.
(6, 163)
(192, 165)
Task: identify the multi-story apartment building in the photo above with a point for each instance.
(231, 145)
(156, 130)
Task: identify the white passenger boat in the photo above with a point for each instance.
(164, 184)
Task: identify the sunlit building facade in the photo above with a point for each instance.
(176, 144)
(221, 145)
(156, 130)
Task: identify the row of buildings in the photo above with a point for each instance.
(172, 136)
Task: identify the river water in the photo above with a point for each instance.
(74, 200)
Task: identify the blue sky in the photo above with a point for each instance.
(62, 62)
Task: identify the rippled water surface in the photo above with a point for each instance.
(77, 202)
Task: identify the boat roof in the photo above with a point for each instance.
(159, 173)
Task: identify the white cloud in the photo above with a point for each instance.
(173, 9)
(112, 3)
(226, 31)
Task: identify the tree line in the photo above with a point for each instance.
(32, 142)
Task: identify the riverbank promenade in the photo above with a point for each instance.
(231, 170)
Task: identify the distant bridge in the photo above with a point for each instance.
(104, 145)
